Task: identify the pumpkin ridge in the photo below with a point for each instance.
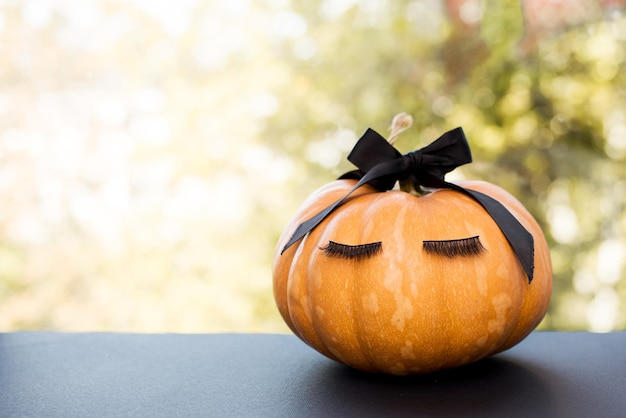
(359, 331)
(358, 283)
(299, 308)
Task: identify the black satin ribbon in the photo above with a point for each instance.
(381, 165)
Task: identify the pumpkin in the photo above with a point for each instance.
(405, 283)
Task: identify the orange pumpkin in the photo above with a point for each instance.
(400, 283)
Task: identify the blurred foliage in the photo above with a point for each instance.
(151, 152)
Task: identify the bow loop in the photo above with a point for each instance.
(448, 152)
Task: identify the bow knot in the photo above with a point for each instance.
(381, 165)
(413, 161)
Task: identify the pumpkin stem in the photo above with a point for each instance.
(400, 123)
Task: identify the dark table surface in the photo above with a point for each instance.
(45, 374)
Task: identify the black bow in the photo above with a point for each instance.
(381, 165)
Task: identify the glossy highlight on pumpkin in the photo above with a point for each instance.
(408, 310)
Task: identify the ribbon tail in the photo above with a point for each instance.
(381, 170)
(308, 225)
(518, 237)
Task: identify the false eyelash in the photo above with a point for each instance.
(464, 247)
(355, 252)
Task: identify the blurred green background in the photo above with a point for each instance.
(152, 151)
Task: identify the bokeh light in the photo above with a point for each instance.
(151, 151)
